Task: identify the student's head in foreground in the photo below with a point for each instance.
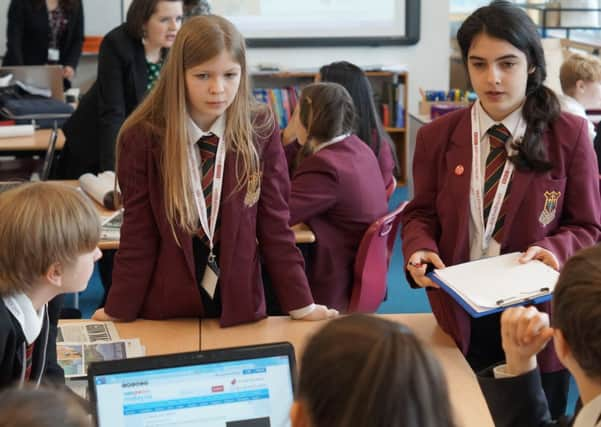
(580, 78)
(42, 407)
(49, 234)
(365, 371)
(577, 313)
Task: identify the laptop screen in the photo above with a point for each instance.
(250, 392)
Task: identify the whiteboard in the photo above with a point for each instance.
(322, 22)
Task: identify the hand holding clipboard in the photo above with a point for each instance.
(492, 284)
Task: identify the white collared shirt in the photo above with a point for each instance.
(30, 320)
(195, 133)
(516, 127)
(589, 414)
(571, 105)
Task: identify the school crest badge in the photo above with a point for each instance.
(253, 189)
(550, 209)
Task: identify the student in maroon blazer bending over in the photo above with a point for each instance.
(176, 257)
(337, 188)
(549, 209)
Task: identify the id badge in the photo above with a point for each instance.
(210, 276)
(53, 54)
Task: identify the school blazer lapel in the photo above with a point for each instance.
(230, 212)
(140, 74)
(183, 238)
(459, 155)
(520, 182)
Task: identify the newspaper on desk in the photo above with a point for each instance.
(79, 344)
(111, 226)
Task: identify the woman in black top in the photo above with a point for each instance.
(45, 32)
(129, 62)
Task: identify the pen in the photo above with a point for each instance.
(526, 296)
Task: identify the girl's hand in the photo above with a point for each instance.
(417, 264)
(100, 315)
(525, 332)
(290, 133)
(541, 254)
(320, 312)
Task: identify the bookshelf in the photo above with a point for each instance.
(280, 90)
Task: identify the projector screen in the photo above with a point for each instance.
(273, 23)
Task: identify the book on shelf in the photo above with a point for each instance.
(282, 101)
(392, 104)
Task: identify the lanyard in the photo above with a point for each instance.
(208, 224)
(478, 182)
(331, 142)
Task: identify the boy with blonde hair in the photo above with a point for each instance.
(580, 78)
(49, 234)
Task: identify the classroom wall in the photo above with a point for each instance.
(427, 61)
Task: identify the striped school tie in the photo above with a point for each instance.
(29, 360)
(498, 135)
(207, 145)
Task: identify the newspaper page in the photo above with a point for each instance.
(75, 358)
(111, 226)
(84, 332)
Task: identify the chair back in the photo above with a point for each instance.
(372, 261)
(390, 189)
(49, 157)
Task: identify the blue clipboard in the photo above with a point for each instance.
(540, 296)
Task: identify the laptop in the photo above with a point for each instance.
(235, 387)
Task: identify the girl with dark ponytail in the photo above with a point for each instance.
(509, 174)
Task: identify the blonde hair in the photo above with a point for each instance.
(579, 67)
(163, 114)
(42, 223)
(47, 406)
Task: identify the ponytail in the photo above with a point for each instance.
(540, 109)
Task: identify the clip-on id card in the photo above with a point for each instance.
(210, 276)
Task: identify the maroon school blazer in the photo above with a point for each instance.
(338, 192)
(437, 219)
(154, 277)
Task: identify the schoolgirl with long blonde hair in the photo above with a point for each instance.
(205, 193)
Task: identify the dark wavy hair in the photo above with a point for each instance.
(506, 21)
(365, 371)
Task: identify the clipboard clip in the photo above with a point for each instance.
(522, 297)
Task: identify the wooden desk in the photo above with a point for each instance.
(160, 337)
(466, 397)
(38, 142)
(163, 336)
